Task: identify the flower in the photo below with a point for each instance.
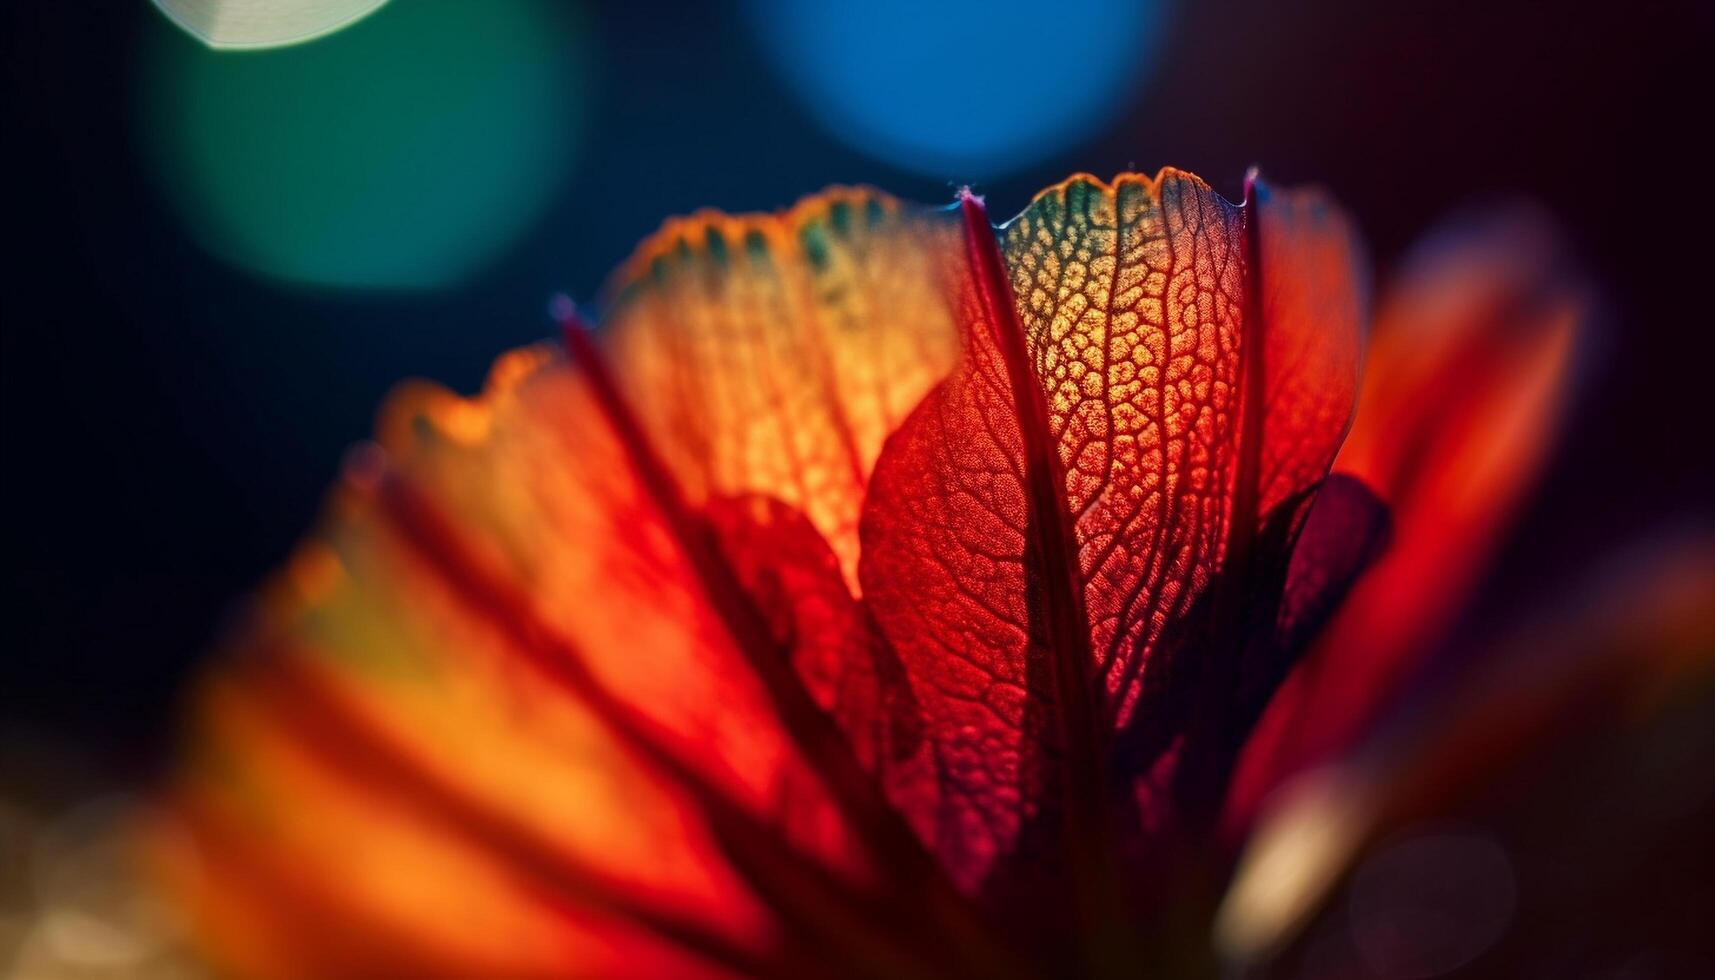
(877, 592)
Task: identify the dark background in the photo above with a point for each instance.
(169, 422)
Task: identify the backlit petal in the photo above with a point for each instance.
(1132, 300)
(771, 354)
(1464, 383)
(498, 705)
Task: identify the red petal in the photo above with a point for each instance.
(1314, 287)
(1464, 382)
(1131, 302)
(465, 699)
(796, 580)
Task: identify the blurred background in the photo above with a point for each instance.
(221, 261)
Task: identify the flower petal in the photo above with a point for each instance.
(586, 644)
(1465, 380)
(1568, 740)
(1132, 301)
(770, 354)
(1315, 307)
(530, 717)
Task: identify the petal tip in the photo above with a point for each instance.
(972, 204)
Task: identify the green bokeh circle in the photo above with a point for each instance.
(402, 152)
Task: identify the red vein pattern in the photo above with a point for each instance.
(772, 354)
(1132, 297)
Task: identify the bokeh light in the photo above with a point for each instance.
(961, 89)
(402, 152)
(75, 900)
(264, 23)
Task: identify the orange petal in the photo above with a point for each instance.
(1132, 299)
(539, 723)
(545, 694)
(454, 660)
(770, 354)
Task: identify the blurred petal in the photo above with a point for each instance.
(1465, 380)
(1514, 745)
(417, 705)
(1345, 529)
(1315, 297)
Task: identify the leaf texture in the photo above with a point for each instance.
(1132, 300)
(772, 354)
